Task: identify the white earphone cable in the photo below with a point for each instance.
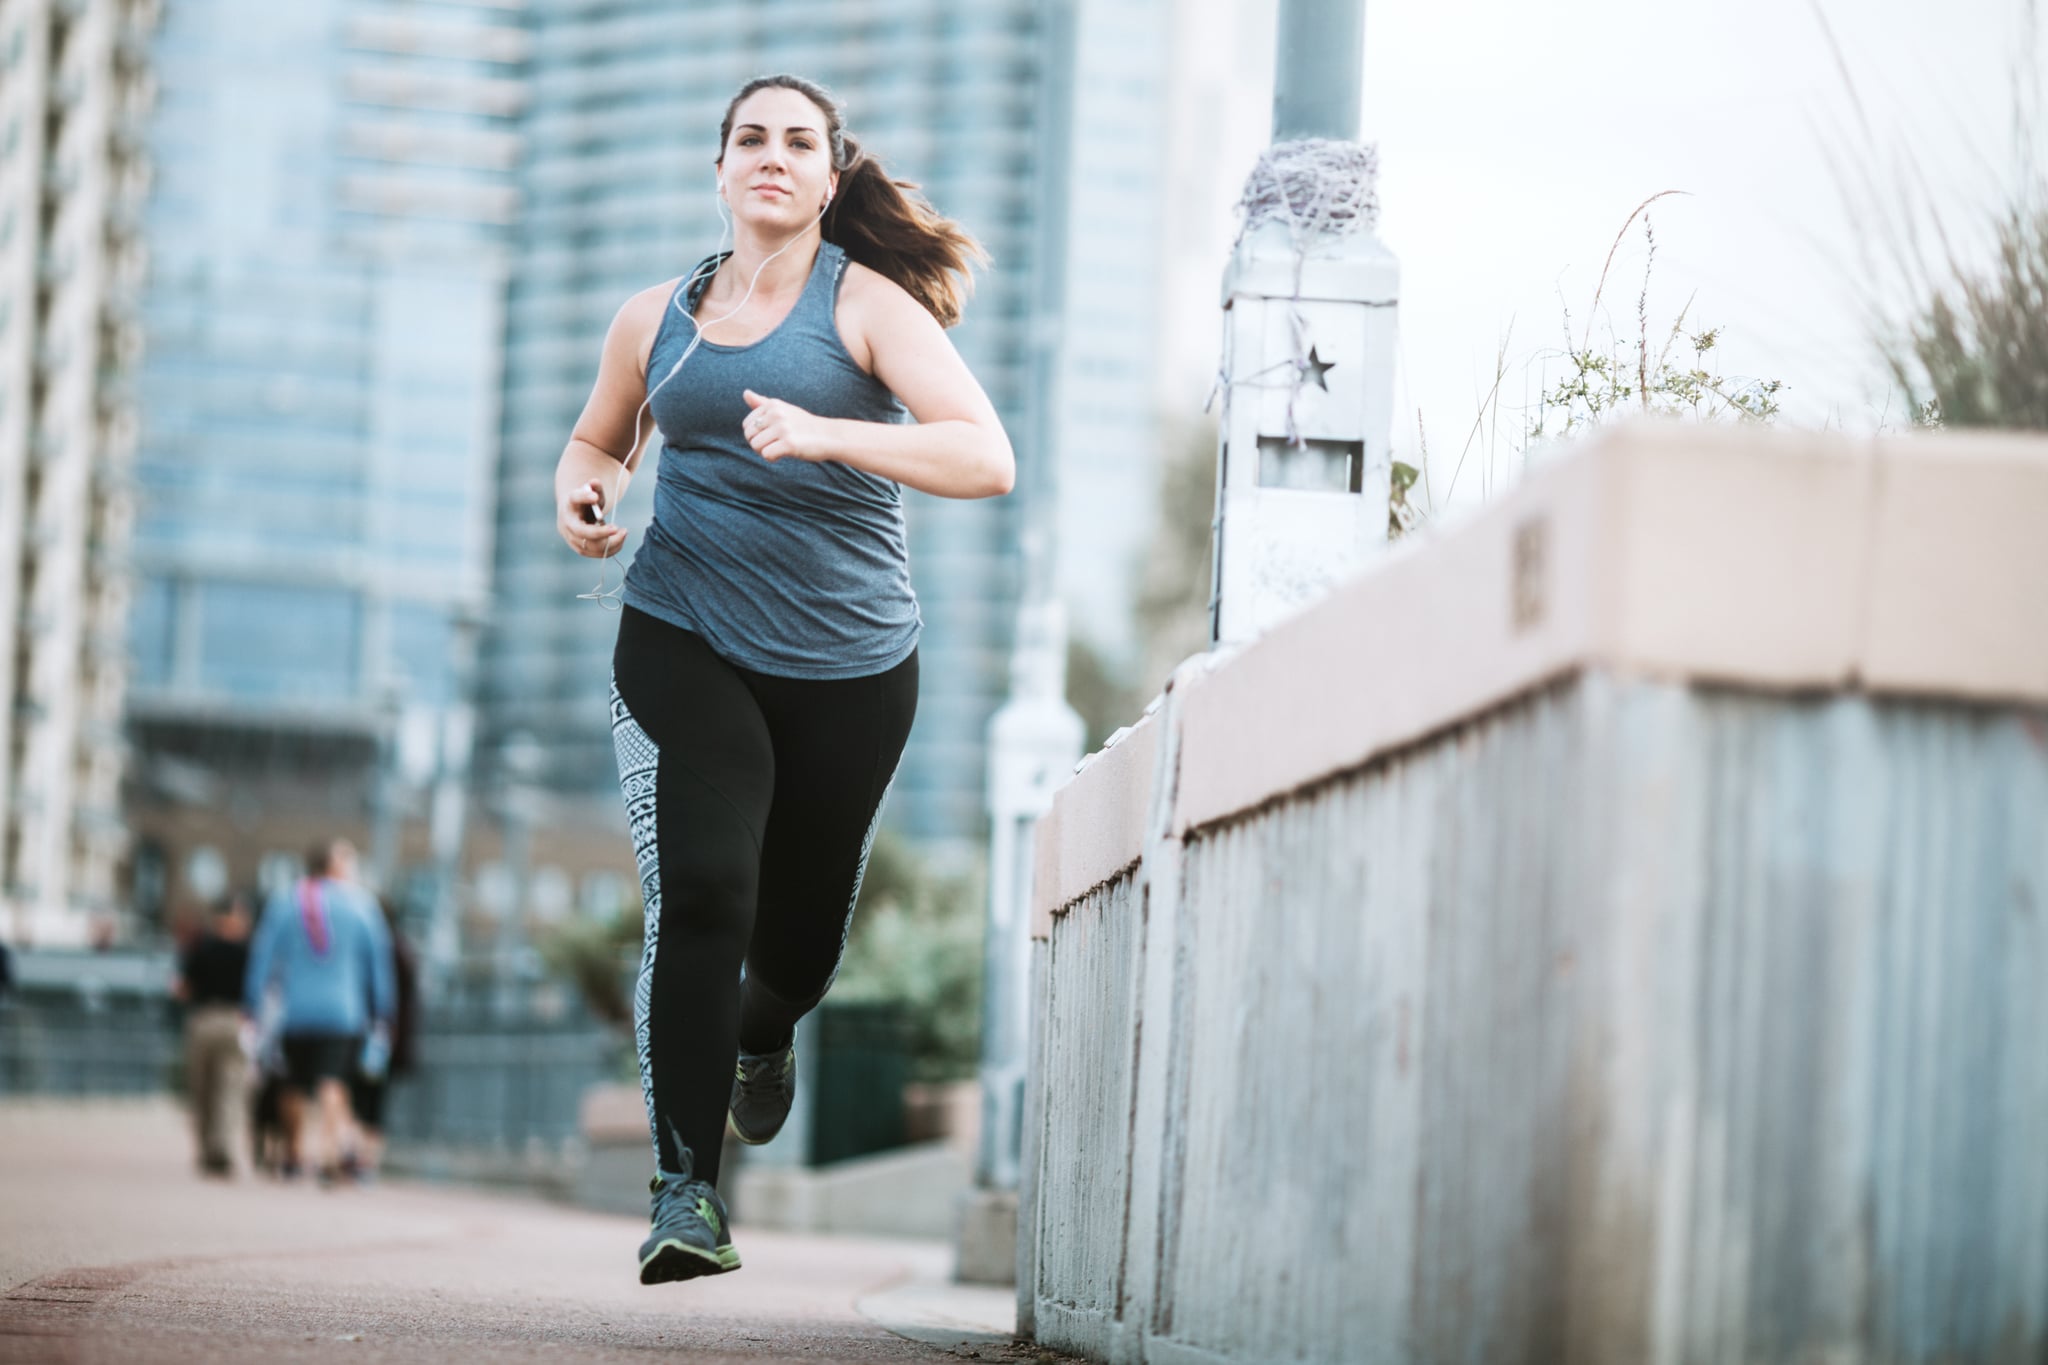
(613, 598)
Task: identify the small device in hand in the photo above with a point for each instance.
(593, 514)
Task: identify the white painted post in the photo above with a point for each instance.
(1303, 471)
(1302, 475)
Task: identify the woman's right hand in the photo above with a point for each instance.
(577, 518)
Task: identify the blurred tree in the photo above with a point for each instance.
(916, 940)
(1174, 581)
(1172, 607)
(1099, 691)
(596, 954)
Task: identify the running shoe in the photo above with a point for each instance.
(690, 1234)
(763, 1087)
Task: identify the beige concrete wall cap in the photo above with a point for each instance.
(1096, 828)
(1958, 576)
(1743, 556)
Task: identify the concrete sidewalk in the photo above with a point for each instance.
(113, 1249)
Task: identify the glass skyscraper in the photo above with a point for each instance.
(329, 234)
(618, 190)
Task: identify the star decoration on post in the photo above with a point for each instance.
(1313, 368)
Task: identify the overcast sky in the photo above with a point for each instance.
(1515, 137)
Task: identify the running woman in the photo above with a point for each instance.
(765, 673)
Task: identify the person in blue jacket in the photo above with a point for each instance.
(323, 946)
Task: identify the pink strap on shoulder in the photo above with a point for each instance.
(314, 915)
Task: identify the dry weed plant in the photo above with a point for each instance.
(1618, 377)
(1666, 372)
(1971, 349)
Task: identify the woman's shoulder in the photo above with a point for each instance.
(645, 306)
(638, 320)
(865, 287)
(872, 306)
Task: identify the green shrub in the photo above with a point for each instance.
(917, 940)
(595, 955)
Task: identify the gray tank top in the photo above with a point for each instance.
(799, 569)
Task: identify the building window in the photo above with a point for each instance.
(279, 643)
(150, 632)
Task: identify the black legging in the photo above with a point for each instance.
(752, 801)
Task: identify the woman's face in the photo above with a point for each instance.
(777, 166)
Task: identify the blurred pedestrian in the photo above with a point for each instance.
(386, 1058)
(765, 673)
(209, 984)
(323, 942)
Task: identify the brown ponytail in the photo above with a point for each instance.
(880, 221)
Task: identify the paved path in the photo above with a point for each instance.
(112, 1249)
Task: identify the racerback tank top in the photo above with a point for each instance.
(800, 568)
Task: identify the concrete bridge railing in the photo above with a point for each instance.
(1615, 930)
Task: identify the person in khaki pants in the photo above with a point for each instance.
(209, 984)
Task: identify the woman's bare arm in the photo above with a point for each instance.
(958, 448)
(604, 446)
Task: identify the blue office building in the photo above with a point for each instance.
(328, 244)
(336, 183)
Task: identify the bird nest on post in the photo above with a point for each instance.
(1320, 187)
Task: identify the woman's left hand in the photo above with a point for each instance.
(776, 429)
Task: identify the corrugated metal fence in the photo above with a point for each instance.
(1634, 1022)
